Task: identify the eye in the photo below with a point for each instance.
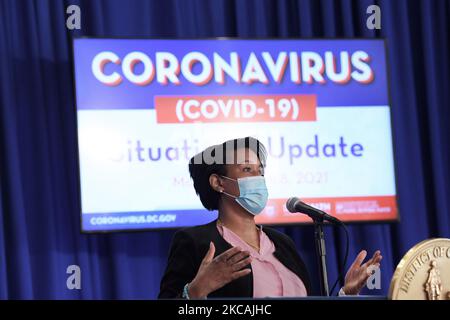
(247, 169)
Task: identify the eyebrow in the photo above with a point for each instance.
(248, 161)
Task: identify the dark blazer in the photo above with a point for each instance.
(189, 246)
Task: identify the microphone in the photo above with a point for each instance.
(294, 205)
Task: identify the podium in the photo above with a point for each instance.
(423, 273)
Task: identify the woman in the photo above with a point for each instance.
(232, 256)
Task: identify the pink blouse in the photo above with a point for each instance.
(270, 277)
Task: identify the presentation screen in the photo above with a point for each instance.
(146, 106)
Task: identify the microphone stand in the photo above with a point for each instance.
(321, 255)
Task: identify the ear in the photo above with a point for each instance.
(215, 183)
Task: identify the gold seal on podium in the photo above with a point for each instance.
(423, 273)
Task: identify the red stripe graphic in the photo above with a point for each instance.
(374, 208)
(244, 108)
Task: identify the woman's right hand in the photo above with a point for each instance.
(216, 272)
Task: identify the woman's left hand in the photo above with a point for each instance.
(357, 275)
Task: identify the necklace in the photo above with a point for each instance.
(220, 223)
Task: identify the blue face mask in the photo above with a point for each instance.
(252, 193)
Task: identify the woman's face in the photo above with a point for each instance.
(246, 164)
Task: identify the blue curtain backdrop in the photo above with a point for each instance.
(39, 211)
